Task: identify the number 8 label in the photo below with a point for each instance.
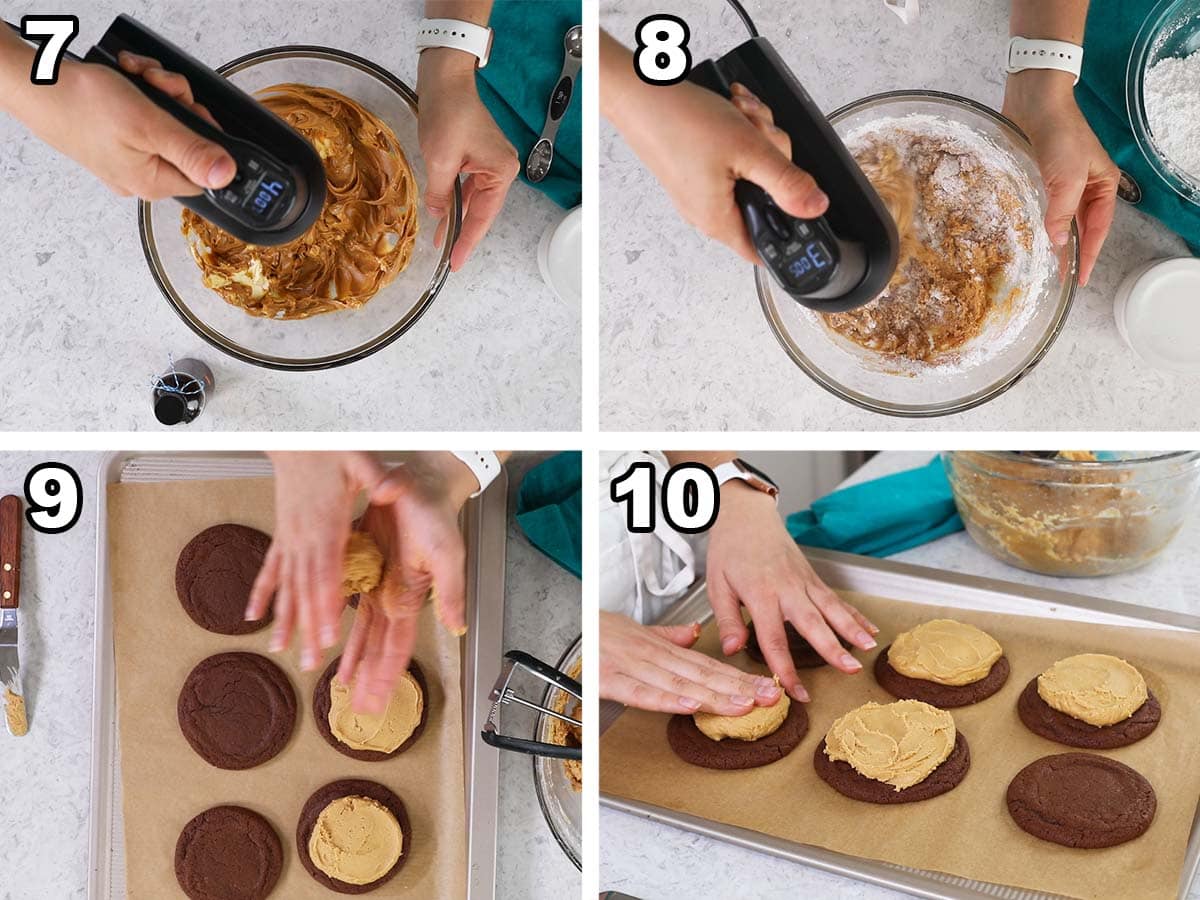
(662, 54)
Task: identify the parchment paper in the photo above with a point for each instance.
(166, 783)
(968, 831)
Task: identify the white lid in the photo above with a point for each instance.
(1162, 315)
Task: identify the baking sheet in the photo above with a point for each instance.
(946, 834)
(165, 783)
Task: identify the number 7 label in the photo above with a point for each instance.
(53, 34)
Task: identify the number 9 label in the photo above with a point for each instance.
(662, 56)
(55, 497)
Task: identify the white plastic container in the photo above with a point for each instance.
(560, 256)
(1157, 308)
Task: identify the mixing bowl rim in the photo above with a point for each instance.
(329, 361)
(1189, 459)
(924, 410)
(1183, 184)
(573, 651)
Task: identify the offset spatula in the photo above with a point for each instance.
(11, 515)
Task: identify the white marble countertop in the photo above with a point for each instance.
(496, 351)
(684, 343)
(44, 792)
(659, 862)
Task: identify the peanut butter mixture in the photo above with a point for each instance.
(361, 241)
(958, 220)
(567, 735)
(14, 712)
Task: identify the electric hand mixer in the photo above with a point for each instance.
(279, 188)
(843, 259)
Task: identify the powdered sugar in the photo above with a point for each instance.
(1171, 95)
(981, 203)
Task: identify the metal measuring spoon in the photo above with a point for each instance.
(541, 157)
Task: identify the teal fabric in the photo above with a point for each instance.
(881, 517)
(1112, 26)
(548, 509)
(515, 86)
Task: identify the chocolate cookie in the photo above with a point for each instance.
(846, 780)
(237, 710)
(943, 696)
(1081, 800)
(693, 746)
(228, 853)
(804, 655)
(321, 704)
(1043, 719)
(350, 787)
(214, 575)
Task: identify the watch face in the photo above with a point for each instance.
(756, 472)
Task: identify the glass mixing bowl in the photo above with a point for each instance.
(869, 379)
(330, 339)
(561, 804)
(1073, 517)
(1171, 29)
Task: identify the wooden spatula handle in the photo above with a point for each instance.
(11, 518)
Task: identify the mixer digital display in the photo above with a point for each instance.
(259, 192)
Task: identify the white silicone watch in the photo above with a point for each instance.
(457, 35)
(1024, 53)
(484, 463)
(740, 470)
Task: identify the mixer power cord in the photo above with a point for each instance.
(744, 16)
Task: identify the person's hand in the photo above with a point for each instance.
(413, 518)
(315, 495)
(652, 668)
(753, 562)
(1080, 178)
(459, 136)
(102, 121)
(698, 145)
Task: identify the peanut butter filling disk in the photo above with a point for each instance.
(944, 651)
(362, 569)
(1094, 688)
(355, 840)
(363, 237)
(897, 743)
(758, 723)
(380, 733)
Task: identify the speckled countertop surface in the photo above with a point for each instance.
(44, 792)
(659, 862)
(684, 343)
(89, 329)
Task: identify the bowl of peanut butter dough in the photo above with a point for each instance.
(979, 293)
(367, 269)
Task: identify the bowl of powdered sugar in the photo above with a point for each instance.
(979, 293)
(1163, 94)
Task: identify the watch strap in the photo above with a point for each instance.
(457, 35)
(737, 470)
(484, 463)
(1024, 53)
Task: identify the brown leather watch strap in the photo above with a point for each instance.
(11, 519)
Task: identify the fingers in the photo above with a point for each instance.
(631, 692)
(441, 175)
(761, 116)
(365, 470)
(694, 694)
(285, 609)
(327, 590)
(679, 635)
(357, 642)
(840, 615)
(1064, 194)
(478, 217)
(1096, 214)
(264, 586)
(728, 613)
(717, 677)
(386, 660)
(448, 568)
(201, 163)
(793, 189)
(310, 651)
(772, 640)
